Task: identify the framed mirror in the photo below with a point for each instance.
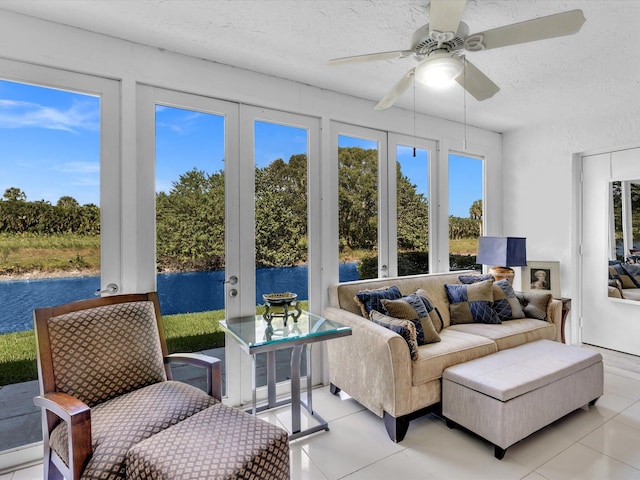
(624, 240)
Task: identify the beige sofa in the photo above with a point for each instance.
(374, 365)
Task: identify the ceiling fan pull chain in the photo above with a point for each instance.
(464, 96)
(414, 116)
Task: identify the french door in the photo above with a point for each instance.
(279, 223)
(60, 141)
(257, 164)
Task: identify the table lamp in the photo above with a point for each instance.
(501, 253)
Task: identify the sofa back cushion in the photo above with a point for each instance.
(342, 294)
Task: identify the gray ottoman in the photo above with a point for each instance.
(219, 443)
(508, 395)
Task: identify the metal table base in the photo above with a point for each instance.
(295, 400)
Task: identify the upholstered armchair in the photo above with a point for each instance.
(106, 384)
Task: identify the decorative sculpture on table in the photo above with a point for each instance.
(282, 302)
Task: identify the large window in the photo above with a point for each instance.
(412, 205)
(465, 210)
(358, 208)
(59, 219)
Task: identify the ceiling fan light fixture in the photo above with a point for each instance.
(439, 70)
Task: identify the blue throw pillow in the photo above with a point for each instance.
(505, 303)
(405, 328)
(474, 278)
(633, 269)
(472, 303)
(369, 300)
(412, 307)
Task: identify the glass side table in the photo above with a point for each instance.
(255, 335)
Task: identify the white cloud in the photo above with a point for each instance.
(19, 114)
(81, 168)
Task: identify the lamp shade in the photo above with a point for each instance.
(502, 251)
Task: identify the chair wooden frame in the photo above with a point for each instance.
(57, 406)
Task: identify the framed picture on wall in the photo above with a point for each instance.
(541, 277)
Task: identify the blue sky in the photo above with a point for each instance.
(50, 147)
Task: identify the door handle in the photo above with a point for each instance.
(110, 289)
(232, 280)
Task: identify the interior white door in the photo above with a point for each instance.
(605, 322)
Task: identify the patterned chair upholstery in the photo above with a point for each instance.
(106, 384)
(236, 443)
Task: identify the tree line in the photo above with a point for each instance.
(190, 216)
(41, 217)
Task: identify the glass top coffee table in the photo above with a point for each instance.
(255, 335)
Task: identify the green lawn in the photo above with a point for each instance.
(186, 332)
(22, 253)
(189, 332)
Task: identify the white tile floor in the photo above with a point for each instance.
(602, 442)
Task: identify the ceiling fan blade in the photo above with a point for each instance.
(445, 15)
(371, 57)
(557, 25)
(397, 90)
(476, 83)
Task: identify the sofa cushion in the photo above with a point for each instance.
(121, 422)
(512, 333)
(405, 328)
(471, 303)
(631, 293)
(413, 307)
(505, 303)
(369, 300)
(455, 347)
(535, 305)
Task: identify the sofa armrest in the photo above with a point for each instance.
(554, 315)
(372, 365)
(212, 364)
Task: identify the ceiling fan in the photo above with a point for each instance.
(438, 47)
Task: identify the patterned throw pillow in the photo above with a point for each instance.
(434, 313)
(412, 307)
(474, 278)
(618, 272)
(405, 328)
(471, 303)
(505, 302)
(535, 305)
(633, 269)
(369, 300)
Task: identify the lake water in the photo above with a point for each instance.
(177, 292)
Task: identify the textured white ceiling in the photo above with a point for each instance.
(598, 69)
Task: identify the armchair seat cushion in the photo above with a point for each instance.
(120, 423)
(511, 333)
(218, 443)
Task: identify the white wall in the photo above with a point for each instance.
(541, 185)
